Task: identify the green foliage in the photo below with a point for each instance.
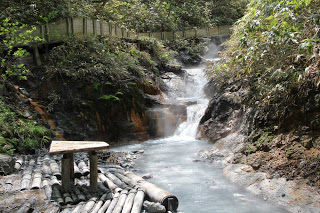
(109, 99)
(274, 50)
(139, 15)
(97, 59)
(159, 15)
(12, 34)
(18, 134)
(33, 12)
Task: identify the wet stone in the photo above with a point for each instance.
(6, 164)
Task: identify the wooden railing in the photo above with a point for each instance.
(82, 26)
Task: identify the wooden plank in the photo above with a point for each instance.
(62, 147)
(202, 33)
(78, 25)
(105, 28)
(118, 31)
(90, 26)
(225, 30)
(189, 34)
(179, 35)
(58, 29)
(168, 36)
(214, 31)
(98, 27)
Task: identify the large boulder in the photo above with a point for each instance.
(6, 164)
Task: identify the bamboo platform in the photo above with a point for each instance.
(118, 189)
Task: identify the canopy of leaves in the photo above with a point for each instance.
(139, 15)
(275, 50)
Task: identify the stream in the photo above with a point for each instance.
(175, 165)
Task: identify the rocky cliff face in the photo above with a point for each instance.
(133, 110)
(261, 151)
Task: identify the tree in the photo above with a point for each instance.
(13, 35)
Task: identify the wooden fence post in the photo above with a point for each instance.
(85, 30)
(47, 32)
(101, 28)
(94, 23)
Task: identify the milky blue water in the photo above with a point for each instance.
(176, 167)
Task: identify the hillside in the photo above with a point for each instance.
(266, 88)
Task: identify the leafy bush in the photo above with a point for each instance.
(97, 59)
(19, 134)
(274, 50)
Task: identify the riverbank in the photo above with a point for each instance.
(275, 165)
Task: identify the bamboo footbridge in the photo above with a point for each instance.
(84, 26)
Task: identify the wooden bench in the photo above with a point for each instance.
(67, 148)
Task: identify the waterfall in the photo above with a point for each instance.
(196, 101)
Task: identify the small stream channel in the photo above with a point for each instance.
(175, 165)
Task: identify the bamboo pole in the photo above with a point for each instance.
(27, 206)
(26, 179)
(89, 205)
(138, 201)
(18, 164)
(67, 198)
(78, 208)
(129, 201)
(107, 182)
(83, 168)
(37, 179)
(113, 202)
(156, 194)
(81, 197)
(77, 172)
(55, 169)
(125, 179)
(46, 171)
(99, 203)
(116, 180)
(54, 181)
(102, 187)
(105, 206)
(122, 199)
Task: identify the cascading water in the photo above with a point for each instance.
(196, 100)
(176, 167)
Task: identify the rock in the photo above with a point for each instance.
(153, 207)
(6, 164)
(138, 151)
(147, 176)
